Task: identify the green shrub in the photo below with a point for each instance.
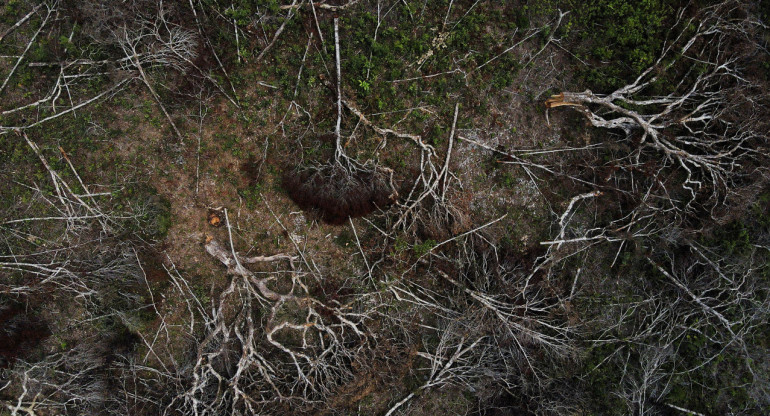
(424, 247)
(620, 38)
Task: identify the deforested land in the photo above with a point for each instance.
(384, 207)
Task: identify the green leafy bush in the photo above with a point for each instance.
(620, 37)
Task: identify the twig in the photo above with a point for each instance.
(233, 99)
(415, 138)
(237, 41)
(445, 169)
(317, 25)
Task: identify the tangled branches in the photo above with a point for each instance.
(702, 299)
(694, 107)
(145, 43)
(270, 347)
(494, 326)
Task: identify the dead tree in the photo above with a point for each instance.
(279, 346)
(705, 297)
(61, 243)
(692, 131)
(496, 329)
(342, 187)
(694, 109)
(158, 43)
(47, 248)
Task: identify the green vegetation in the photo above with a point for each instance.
(620, 38)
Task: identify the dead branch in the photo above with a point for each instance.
(21, 21)
(278, 32)
(51, 10)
